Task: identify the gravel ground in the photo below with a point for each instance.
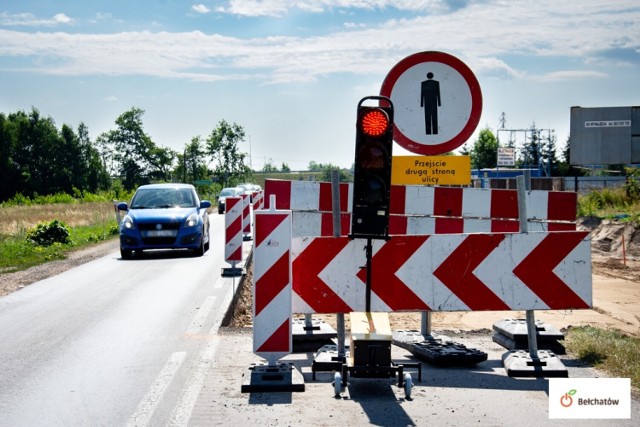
(11, 282)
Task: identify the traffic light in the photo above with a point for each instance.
(372, 170)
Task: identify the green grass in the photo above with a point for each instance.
(17, 253)
(612, 351)
(610, 204)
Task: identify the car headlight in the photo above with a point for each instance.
(192, 221)
(127, 222)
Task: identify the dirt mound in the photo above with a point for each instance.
(612, 238)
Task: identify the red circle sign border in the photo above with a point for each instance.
(474, 88)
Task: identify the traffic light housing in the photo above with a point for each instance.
(372, 170)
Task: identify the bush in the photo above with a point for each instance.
(46, 234)
(632, 189)
(611, 350)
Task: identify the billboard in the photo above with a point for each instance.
(605, 135)
(506, 156)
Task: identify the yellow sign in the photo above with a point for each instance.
(431, 170)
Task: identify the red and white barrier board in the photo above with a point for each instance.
(307, 195)
(233, 230)
(246, 214)
(257, 200)
(272, 291)
(431, 201)
(319, 224)
(459, 272)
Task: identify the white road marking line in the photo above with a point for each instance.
(218, 284)
(183, 410)
(148, 405)
(201, 315)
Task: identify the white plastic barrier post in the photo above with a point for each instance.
(272, 284)
(246, 216)
(233, 230)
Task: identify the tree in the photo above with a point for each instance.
(285, 168)
(161, 160)
(222, 146)
(549, 156)
(95, 175)
(36, 157)
(132, 153)
(9, 175)
(269, 167)
(325, 171)
(192, 165)
(484, 151)
(539, 152)
(530, 154)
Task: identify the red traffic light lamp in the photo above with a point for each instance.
(372, 169)
(374, 122)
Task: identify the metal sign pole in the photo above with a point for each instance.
(523, 183)
(369, 252)
(337, 232)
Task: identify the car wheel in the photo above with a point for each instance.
(201, 250)
(126, 253)
(208, 236)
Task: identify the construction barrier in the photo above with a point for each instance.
(257, 200)
(320, 224)
(450, 249)
(233, 230)
(412, 200)
(458, 272)
(246, 215)
(272, 285)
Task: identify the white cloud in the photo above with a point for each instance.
(200, 8)
(498, 40)
(61, 18)
(277, 8)
(30, 20)
(567, 75)
(273, 8)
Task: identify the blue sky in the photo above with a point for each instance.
(292, 72)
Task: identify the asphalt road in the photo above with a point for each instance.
(113, 342)
(138, 343)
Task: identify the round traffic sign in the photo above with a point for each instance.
(437, 100)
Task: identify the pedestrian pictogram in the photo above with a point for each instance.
(430, 100)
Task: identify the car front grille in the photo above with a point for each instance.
(163, 226)
(158, 240)
(152, 241)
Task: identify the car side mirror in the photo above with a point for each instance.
(122, 206)
(205, 204)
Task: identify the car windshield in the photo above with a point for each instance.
(228, 192)
(158, 198)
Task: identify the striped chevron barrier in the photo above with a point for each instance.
(246, 215)
(258, 201)
(233, 230)
(272, 285)
(459, 272)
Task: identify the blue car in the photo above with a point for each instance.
(164, 216)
